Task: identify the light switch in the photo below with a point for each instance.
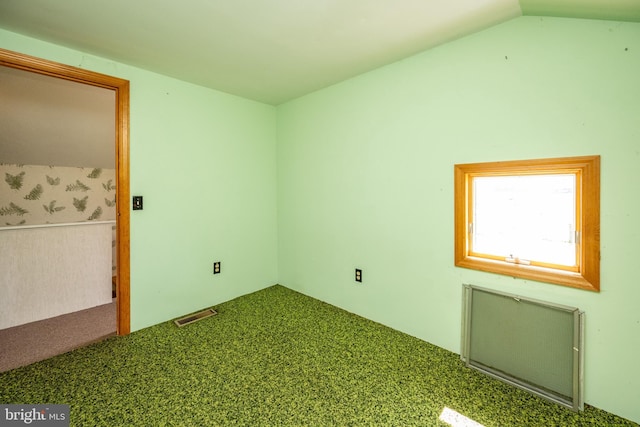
(137, 203)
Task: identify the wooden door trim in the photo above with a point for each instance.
(121, 87)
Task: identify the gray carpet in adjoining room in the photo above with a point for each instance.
(25, 344)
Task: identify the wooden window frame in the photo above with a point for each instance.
(587, 170)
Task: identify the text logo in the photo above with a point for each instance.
(34, 415)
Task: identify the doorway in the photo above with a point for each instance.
(121, 90)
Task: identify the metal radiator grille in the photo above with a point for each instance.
(531, 344)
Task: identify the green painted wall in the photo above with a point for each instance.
(365, 179)
(365, 175)
(205, 163)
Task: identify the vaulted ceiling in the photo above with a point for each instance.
(269, 51)
(273, 51)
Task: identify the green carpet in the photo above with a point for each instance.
(276, 358)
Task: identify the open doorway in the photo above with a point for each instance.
(120, 89)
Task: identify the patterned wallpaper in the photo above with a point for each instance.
(34, 195)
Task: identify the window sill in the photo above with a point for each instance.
(540, 274)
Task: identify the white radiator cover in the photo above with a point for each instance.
(531, 344)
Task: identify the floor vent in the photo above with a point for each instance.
(195, 317)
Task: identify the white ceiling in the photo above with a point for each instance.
(269, 51)
(50, 121)
(273, 51)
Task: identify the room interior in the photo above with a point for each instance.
(285, 177)
(57, 134)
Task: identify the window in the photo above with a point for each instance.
(534, 219)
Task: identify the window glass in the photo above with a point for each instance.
(526, 217)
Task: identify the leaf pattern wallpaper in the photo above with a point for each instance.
(35, 195)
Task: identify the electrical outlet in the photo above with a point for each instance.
(358, 275)
(216, 267)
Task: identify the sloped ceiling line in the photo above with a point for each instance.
(273, 51)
